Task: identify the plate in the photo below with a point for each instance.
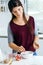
(27, 54)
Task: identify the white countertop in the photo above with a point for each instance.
(33, 60)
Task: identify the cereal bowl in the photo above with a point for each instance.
(27, 54)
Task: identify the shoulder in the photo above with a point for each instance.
(9, 27)
(9, 24)
(29, 17)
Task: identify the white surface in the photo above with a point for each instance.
(34, 60)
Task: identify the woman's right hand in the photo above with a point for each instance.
(21, 49)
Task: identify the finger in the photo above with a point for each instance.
(37, 45)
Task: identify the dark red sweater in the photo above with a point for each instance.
(22, 36)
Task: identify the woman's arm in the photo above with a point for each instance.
(13, 45)
(36, 44)
(16, 48)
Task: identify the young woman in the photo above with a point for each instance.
(21, 29)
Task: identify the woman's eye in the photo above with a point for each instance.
(19, 9)
(14, 11)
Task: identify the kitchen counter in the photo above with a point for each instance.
(33, 60)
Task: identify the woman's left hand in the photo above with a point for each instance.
(35, 45)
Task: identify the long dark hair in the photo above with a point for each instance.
(15, 3)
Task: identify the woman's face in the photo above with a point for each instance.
(17, 11)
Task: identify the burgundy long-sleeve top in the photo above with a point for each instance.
(22, 35)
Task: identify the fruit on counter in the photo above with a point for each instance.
(6, 61)
(18, 57)
(9, 61)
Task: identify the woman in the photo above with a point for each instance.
(21, 29)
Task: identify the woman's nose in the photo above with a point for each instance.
(17, 12)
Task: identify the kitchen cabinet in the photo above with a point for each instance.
(5, 17)
(4, 46)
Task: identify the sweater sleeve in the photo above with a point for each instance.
(36, 29)
(10, 35)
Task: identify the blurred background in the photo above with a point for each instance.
(31, 7)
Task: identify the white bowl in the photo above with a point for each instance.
(27, 54)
